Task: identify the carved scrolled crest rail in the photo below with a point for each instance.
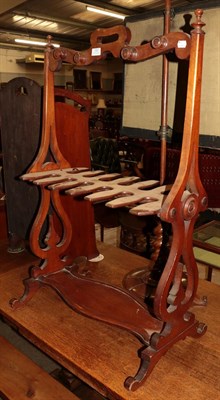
(117, 37)
(170, 320)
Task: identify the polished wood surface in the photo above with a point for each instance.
(102, 355)
(21, 378)
(72, 130)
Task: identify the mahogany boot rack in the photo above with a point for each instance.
(170, 319)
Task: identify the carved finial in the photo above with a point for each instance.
(198, 24)
(199, 13)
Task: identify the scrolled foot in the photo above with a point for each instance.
(133, 383)
(31, 286)
(201, 328)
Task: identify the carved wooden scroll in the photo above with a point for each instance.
(115, 39)
(168, 320)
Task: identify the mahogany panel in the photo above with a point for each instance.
(72, 130)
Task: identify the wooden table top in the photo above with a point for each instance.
(103, 356)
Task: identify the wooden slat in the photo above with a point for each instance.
(21, 378)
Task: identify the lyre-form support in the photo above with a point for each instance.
(169, 320)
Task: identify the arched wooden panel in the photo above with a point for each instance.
(20, 110)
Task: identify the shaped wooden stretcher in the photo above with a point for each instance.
(169, 320)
